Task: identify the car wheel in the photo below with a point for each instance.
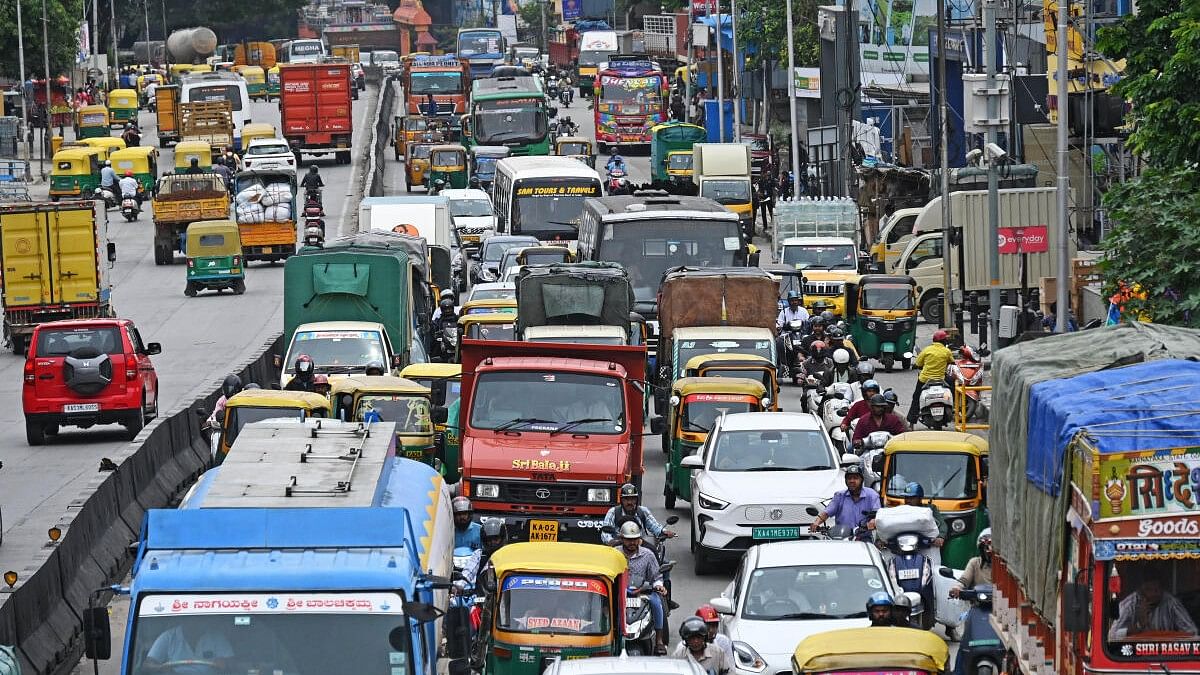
(51, 429)
(136, 422)
(35, 434)
(668, 497)
(931, 309)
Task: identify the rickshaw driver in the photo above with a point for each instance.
(643, 567)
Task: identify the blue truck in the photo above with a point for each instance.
(312, 549)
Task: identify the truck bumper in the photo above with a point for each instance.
(582, 528)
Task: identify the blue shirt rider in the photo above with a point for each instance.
(615, 162)
(466, 531)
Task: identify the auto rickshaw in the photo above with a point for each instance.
(105, 144)
(679, 167)
(405, 130)
(952, 468)
(255, 130)
(547, 599)
(416, 165)
(695, 404)
(256, 81)
(544, 255)
(256, 405)
(387, 398)
(142, 161)
(447, 167)
(736, 365)
(143, 80)
(122, 106)
(91, 121)
(444, 381)
(578, 147)
(74, 172)
(214, 258)
(871, 650)
(273, 82)
(881, 315)
(489, 306)
(495, 327)
(186, 150)
(483, 163)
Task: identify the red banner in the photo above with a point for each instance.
(1028, 239)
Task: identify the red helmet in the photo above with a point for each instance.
(816, 346)
(708, 613)
(940, 335)
(129, 174)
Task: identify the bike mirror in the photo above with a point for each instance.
(812, 511)
(946, 572)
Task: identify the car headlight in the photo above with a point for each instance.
(958, 525)
(487, 490)
(710, 503)
(599, 494)
(747, 658)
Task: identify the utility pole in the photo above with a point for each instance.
(95, 34)
(720, 75)
(49, 101)
(24, 92)
(737, 78)
(1062, 51)
(944, 160)
(791, 88)
(166, 54)
(687, 69)
(542, 4)
(112, 18)
(146, 19)
(993, 175)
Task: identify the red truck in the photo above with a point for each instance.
(315, 108)
(549, 432)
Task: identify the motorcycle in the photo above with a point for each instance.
(844, 532)
(566, 127)
(871, 452)
(460, 631)
(912, 571)
(617, 184)
(967, 370)
(108, 196)
(792, 336)
(565, 96)
(314, 232)
(979, 650)
(639, 619)
(313, 208)
(130, 209)
(313, 194)
(936, 406)
(552, 87)
(446, 339)
(834, 405)
(658, 547)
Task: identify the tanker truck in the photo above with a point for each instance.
(191, 45)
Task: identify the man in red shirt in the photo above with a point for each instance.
(878, 419)
(862, 406)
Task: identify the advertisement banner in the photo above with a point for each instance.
(1143, 486)
(1028, 239)
(84, 38)
(572, 9)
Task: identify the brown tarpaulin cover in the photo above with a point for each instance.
(717, 296)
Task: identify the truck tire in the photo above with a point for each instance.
(35, 434)
(343, 157)
(162, 255)
(18, 345)
(931, 308)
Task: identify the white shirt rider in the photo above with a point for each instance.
(788, 314)
(129, 187)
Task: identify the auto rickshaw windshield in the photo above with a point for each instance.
(485, 167)
(491, 331)
(410, 413)
(680, 162)
(755, 450)
(447, 158)
(574, 149)
(763, 376)
(241, 416)
(943, 475)
(554, 604)
(452, 389)
(421, 151)
(701, 413)
(887, 297)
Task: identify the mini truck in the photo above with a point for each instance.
(549, 432)
(315, 109)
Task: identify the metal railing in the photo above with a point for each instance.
(961, 412)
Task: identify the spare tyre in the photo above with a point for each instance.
(87, 371)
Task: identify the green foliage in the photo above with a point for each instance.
(763, 23)
(62, 22)
(228, 16)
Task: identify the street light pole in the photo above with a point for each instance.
(146, 20)
(1064, 165)
(737, 79)
(49, 101)
(112, 18)
(720, 77)
(791, 80)
(24, 93)
(166, 54)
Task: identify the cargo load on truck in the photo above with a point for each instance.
(182, 199)
(208, 122)
(578, 294)
(266, 212)
(717, 296)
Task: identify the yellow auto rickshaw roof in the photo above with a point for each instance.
(76, 152)
(93, 109)
(447, 147)
(502, 303)
(231, 244)
(874, 648)
(123, 93)
(937, 441)
(106, 143)
(434, 370)
(276, 398)
(572, 139)
(863, 279)
(384, 384)
(491, 318)
(192, 145)
(559, 558)
(249, 69)
(145, 151)
(736, 359)
(686, 386)
(253, 128)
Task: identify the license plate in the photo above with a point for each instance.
(937, 413)
(633, 603)
(908, 574)
(81, 407)
(543, 530)
(775, 533)
(266, 249)
(470, 237)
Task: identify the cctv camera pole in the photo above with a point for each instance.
(720, 74)
(1064, 181)
(791, 88)
(737, 79)
(944, 160)
(990, 55)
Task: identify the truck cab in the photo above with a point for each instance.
(339, 349)
(922, 260)
(827, 262)
(893, 238)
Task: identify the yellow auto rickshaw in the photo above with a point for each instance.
(578, 147)
(416, 165)
(489, 306)
(142, 161)
(74, 172)
(447, 168)
(749, 366)
(530, 611)
(694, 406)
(178, 70)
(186, 151)
(255, 405)
(387, 398)
(214, 258)
(256, 81)
(273, 82)
(91, 121)
(444, 381)
(122, 106)
(873, 650)
(544, 255)
(253, 131)
(495, 327)
(105, 144)
(881, 317)
(405, 130)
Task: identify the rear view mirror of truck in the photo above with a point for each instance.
(112, 252)
(1077, 601)
(97, 634)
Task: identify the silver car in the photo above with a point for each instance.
(624, 665)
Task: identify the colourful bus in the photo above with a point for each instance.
(630, 101)
(508, 111)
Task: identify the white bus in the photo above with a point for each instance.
(542, 196)
(203, 87)
(308, 50)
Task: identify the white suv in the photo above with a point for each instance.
(756, 476)
(263, 153)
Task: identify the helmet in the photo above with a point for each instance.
(940, 336)
(446, 305)
(841, 357)
(816, 346)
(891, 397)
(446, 293)
(985, 536)
(129, 174)
(320, 379)
(231, 385)
(693, 626)
(968, 353)
(708, 614)
(836, 333)
(794, 295)
(878, 399)
(864, 370)
(460, 505)
(868, 385)
(902, 605)
(375, 366)
(304, 365)
(879, 599)
(628, 490)
(107, 163)
(914, 490)
(854, 470)
(312, 169)
(631, 530)
(828, 316)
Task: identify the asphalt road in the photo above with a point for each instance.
(202, 338)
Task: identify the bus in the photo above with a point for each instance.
(305, 50)
(595, 46)
(630, 101)
(483, 48)
(202, 87)
(542, 197)
(508, 111)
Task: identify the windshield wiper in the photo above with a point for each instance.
(520, 421)
(574, 226)
(947, 482)
(795, 615)
(567, 426)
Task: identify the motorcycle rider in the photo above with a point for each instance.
(230, 387)
(321, 384)
(303, 380)
(979, 569)
(864, 371)
(817, 332)
(712, 620)
(842, 371)
(312, 182)
(615, 161)
(862, 406)
(466, 531)
(108, 177)
(440, 310)
(643, 567)
(902, 611)
(130, 189)
(375, 368)
(695, 647)
(794, 311)
(630, 509)
(879, 609)
(131, 136)
(914, 495)
(932, 362)
(878, 419)
(836, 337)
(850, 506)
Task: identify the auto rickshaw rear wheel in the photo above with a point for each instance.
(239, 286)
(190, 290)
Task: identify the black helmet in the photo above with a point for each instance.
(312, 169)
(818, 320)
(891, 397)
(446, 305)
(252, 385)
(835, 333)
(828, 317)
(629, 490)
(693, 626)
(864, 370)
(491, 529)
(878, 399)
(231, 385)
(377, 367)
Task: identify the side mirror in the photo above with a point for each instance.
(692, 462)
(877, 463)
(439, 414)
(658, 424)
(850, 459)
(154, 348)
(722, 604)
(812, 511)
(1077, 605)
(97, 634)
(111, 249)
(946, 572)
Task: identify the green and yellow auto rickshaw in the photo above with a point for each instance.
(387, 398)
(186, 151)
(256, 81)
(273, 82)
(736, 365)
(256, 405)
(406, 129)
(214, 258)
(122, 106)
(74, 172)
(576, 146)
(694, 406)
(500, 326)
(871, 650)
(881, 315)
(952, 468)
(142, 161)
(91, 121)
(444, 381)
(447, 168)
(548, 600)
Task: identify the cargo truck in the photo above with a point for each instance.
(287, 561)
(56, 258)
(208, 122)
(446, 78)
(721, 172)
(266, 212)
(819, 236)
(166, 113)
(315, 109)
(1092, 498)
(548, 299)
(182, 199)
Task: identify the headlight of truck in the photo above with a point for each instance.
(487, 490)
(710, 503)
(599, 494)
(747, 658)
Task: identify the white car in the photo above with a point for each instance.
(264, 153)
(785, 591)
(472, 215)
(493, 290)
(756, 475)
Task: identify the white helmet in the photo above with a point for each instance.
(630, 530)
(841, 357)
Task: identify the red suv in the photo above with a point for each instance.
(85, 372)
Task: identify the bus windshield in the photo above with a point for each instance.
(479, 42)
(629, 90)
(435, 83)
(549, 208)
(646, 248)
(497, 122)
(216, 92)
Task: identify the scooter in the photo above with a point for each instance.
(979, 649)
(937, 406)
(793, 338)
(460, 632)
(967, 370)
(552, 87)
(616, 184)
(842, 531)
(639, 618)
(834, 405)
(565, 96)
(314, 232)
(446, 338)
(108, 196)
(130, 209)
(871, 452)
(912, 571)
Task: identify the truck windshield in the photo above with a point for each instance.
(240, 416)
(547, 208)
(295, 633)
(589, 57)
(831, 256)
(539, 400)
(824, 591)
(498, 122)
(1154, 614)
(690, 348)
(771, 450)
(943, 475)
(726, 191)
(410, 413)
(336, 351)
(435, 83)
(646, 248)
(216, 92)
(552, 604)
(485, 167)
(887, 297)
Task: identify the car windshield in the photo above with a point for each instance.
(436, 83)
(1154, 614)
(493, 250)
(726, 191)
(832, 256)
(771, 450)
(701, 411)
(500, 122)
(546, 257)
(470, 208)
(887, 297)
(240, 416)
(943, 475)
(385, 57)
(493, 294)
(410, 413)
(690, 348)
(799, 592)
(268, 149)
(647, 248)
(553, 604)
(99, 340)
(759, 144)
(337, 351)
(544, 401)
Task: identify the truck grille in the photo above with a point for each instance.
(573, 494)
(823, 288)
(445, 108)
(475, 229)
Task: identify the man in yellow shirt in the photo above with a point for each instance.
(932, 361)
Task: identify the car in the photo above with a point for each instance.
(508, 261)
(755, 476)
(263, 153)
(83, 372)
(358, 75)
(472, 215)
(624, 665)
(496, 290)
(785, 591)
(487, 268)
(512, 273)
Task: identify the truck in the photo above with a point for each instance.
(208, 122)
(266, 212)
(260, 54)
(315, 109)
(330, 558)
(549, 432)
(548, 297)
(56, 258)
(1093, 503)
(1027, 219)
(414, 215)
(721, 172)
(631, 99)
(166, 113)
(179, 200)
(595, 46)
(445, 77)
(819, 236)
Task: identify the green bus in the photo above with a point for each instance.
(508, 111)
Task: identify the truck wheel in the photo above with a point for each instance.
(408, 187)
(18, 345)
(162, 255)
(931, 309)
(35, 434)
(668, 497)
(343, 157)
(51, 429)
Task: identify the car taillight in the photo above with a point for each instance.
(130, 367)
(29, 376)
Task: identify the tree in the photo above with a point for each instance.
(1154, 240)
(763, 24)
(62, 25)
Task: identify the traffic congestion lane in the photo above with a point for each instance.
(202, 338)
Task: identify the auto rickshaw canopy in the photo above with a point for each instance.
(107, 145)
(186, 150)
(256, 130)
(446, 371)
(727, 360)
(383, 384)
(122, 99)
(738, 386)
(937, 442)
(874, 648)
(447, 157)
(478, 326)
(213, 238)
(278, 398)
(559, 558)
(76, 160)
(93, 116)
